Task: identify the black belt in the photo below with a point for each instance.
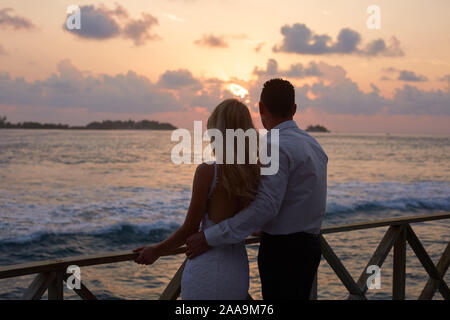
(296, 235)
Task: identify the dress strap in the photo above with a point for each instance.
(213, 183)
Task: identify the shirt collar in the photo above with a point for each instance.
(286, 124)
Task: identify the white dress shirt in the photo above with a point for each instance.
(290, 201)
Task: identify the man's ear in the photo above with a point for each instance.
(295, 109)
(262, 108)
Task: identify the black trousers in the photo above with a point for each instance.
(287, 265)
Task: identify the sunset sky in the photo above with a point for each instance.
(174, 60)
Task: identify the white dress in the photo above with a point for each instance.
(221, 273)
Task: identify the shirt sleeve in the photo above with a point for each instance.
(264, 208)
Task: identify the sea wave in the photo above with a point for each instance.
(123, 232)
(401, 204)
(147, 214)
(362, 196)
(126, 232)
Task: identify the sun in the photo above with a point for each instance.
(238, 90)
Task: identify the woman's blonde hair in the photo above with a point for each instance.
(240, 180)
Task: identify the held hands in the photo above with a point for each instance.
(147, 255)
(196, 245)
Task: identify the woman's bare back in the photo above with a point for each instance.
(221, 205)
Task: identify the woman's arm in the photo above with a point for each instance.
(197, 208)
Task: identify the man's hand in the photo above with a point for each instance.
(196, 245)
(147, 255)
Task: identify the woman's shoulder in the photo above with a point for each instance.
(206, 168)
(205, 172)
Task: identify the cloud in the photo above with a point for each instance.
(177, 79)
(345, 97)
(445, 78)
(101, 23)
(96, 23)
(14, 22)
(179, 91)
(298, 38)
(212, 41)
(411, 100)
(333, 92)
(405, 75)
(223, 41)
(72, 88)
(128, 93)
(139, 29)
(295, 70)
(332, 73)
(379, 47)
(410, 76)
(119, 11)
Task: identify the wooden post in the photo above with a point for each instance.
(84, 293)
(39, 286)
(378, 256)
(399, 276)
(55, 289)
(426, 261)
(340, 270)
(173, 289)
(433, 284)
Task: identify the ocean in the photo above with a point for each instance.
(67, 193)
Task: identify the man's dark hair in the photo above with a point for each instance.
(278, 96)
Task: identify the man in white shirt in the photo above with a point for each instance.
(288, 209)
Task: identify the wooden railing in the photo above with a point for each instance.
(52, 274)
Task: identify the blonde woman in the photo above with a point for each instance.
(219, 191)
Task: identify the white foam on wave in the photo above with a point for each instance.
(143, 229)
(363, 196)
(144, 209)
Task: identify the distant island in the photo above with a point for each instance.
(317, 128)
(104, 125)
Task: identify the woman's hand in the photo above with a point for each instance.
(147, 255)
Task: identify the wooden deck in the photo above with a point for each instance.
(51, 274)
